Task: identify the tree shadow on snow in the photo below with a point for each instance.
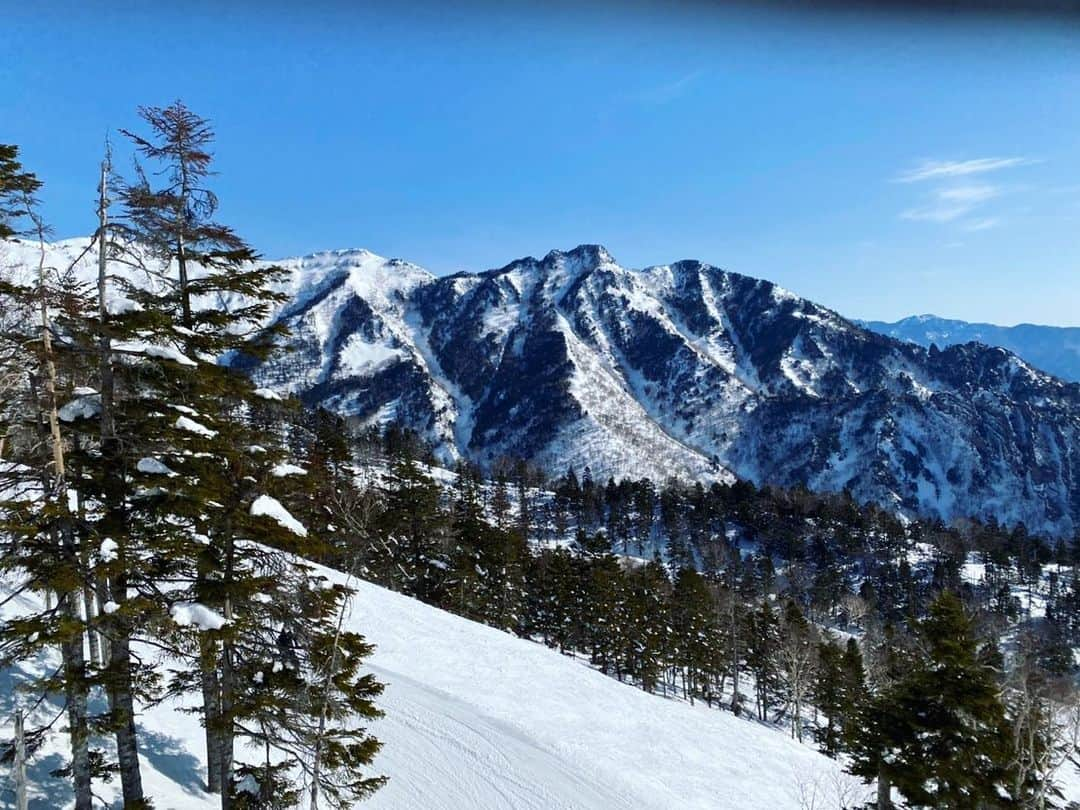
(171, 759)
(45, 791)
(163, 753)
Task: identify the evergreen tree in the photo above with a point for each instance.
(646, 636)
(763, 634)
(697, 651)
(416, 532)
(603, 620)
(554, 594)
(852, 687)
(937, 735)
(829, 696)
(44, 546)
(215, 521)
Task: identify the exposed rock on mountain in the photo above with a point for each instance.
(682, 369)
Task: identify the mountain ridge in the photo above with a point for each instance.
(680, 370)
(689, 370)
(1054, 349)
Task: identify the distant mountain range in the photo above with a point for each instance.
(677, 370)
(1055, 349)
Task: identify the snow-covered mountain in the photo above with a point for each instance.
(479, 719)
(682, 369)
(1055, 349)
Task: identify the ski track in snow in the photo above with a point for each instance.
(458, 759)
(477, 719)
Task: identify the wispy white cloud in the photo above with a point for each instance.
(669, 91)
(951, 203)
(955, 194)
(941, 169)
(984, 224)
(969, 195)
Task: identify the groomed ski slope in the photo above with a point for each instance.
(477, 719)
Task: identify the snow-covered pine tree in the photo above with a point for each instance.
(828, 695)
(553, 585)
(938, 733)
(41, 543)
(242, 600)
(695, 637)
(646, 635)
(486, 576)
(416, 531)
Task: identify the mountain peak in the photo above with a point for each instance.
(586, 255)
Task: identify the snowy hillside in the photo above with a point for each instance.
(479, 719)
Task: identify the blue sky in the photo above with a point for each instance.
(882, 165)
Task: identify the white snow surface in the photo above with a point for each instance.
(269, 507)
(477, 719)
(285, 469)
(82, 407)
(153, 350)
(109, 550)
(194, 614)
(191, 426)
(151, 466)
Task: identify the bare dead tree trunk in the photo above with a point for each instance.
(19, 766)
(88, 601)
(52, 412)
(101, 592)
(185, 296)
(71, 650)
(122, 706)
(90, 611)
(227, 734)
(88, 598)
(121, 688)
(226, 680)
(181, 247)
